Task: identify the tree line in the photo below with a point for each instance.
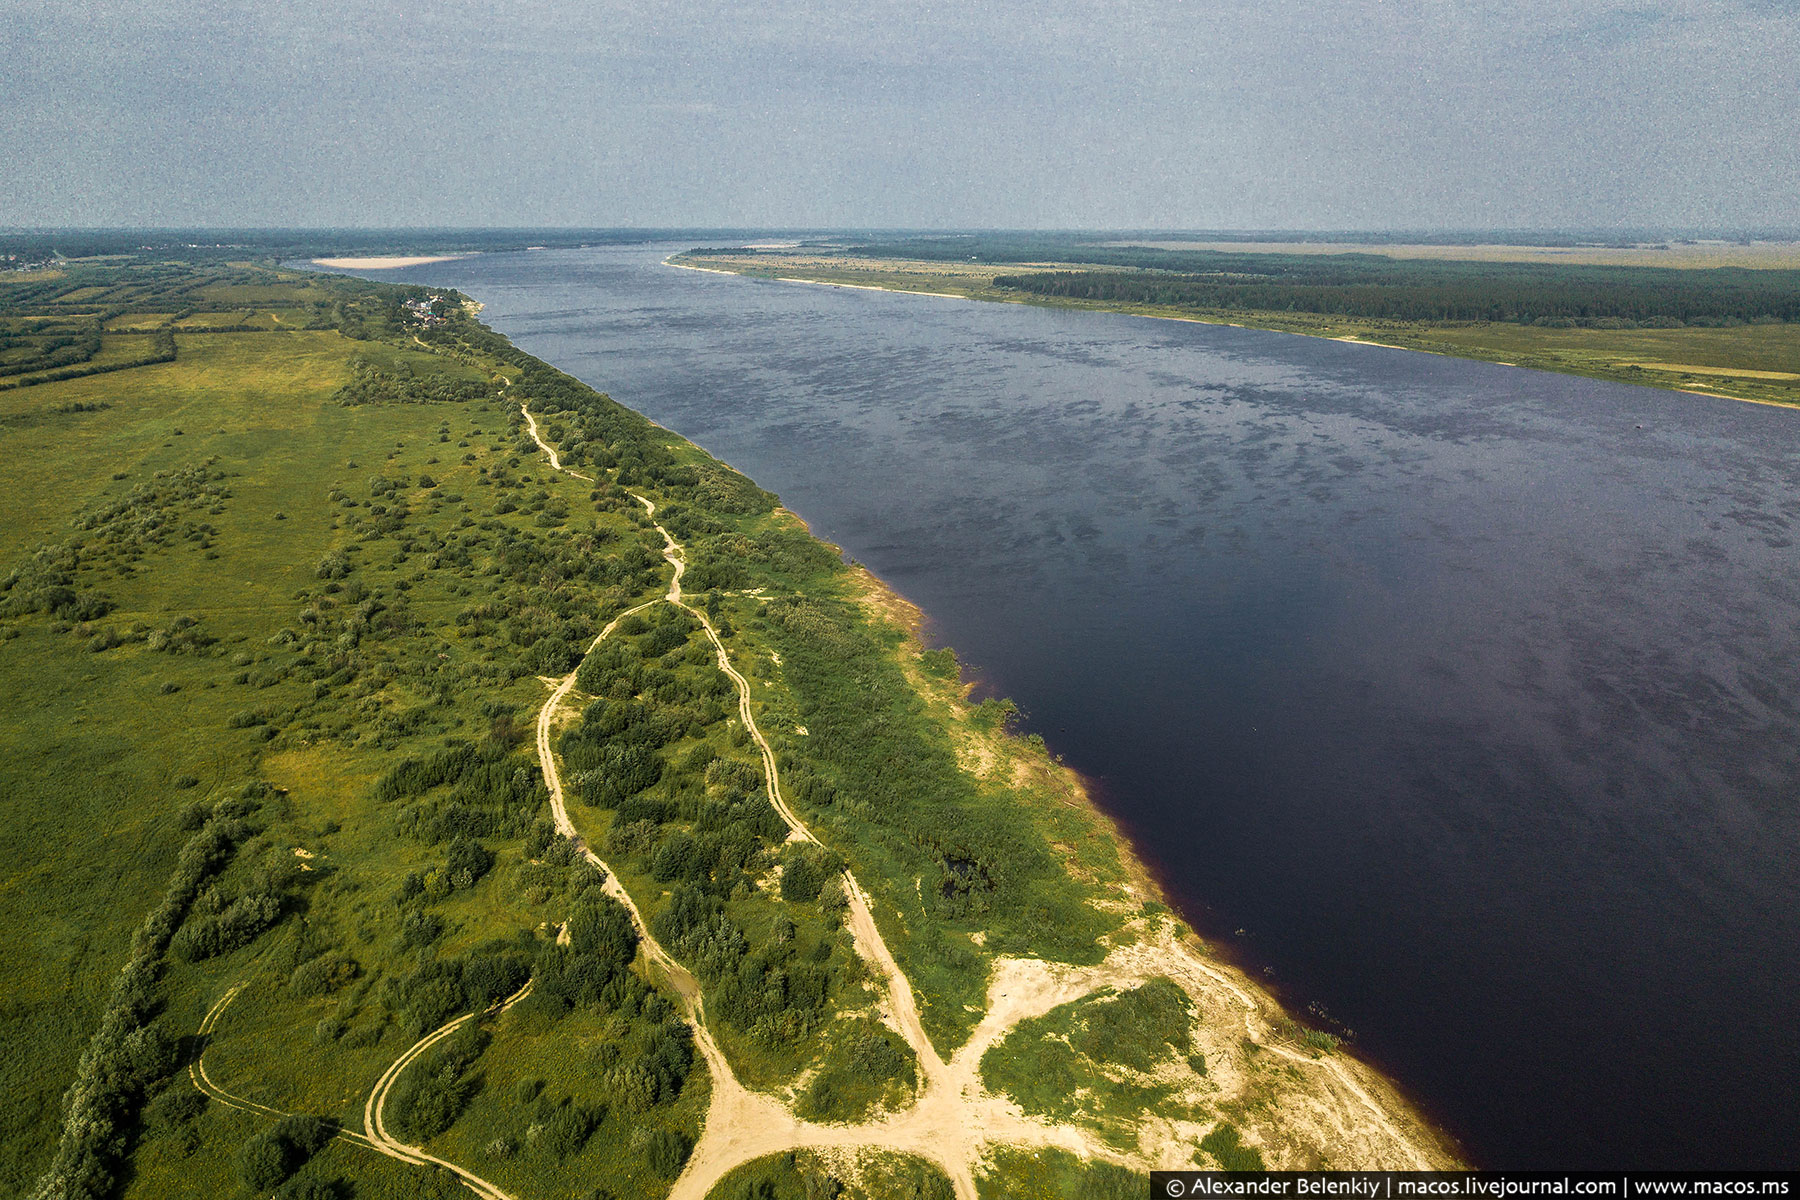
(1666, 299)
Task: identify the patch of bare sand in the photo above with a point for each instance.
(391, 262)
(893, 607)
(1328, 1109)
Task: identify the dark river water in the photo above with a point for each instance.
(1456, 699)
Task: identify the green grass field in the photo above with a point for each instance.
(191, 504)
(275, 621)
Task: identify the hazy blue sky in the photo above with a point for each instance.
(1058, 114)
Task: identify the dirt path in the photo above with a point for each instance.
(204, 1082)
(867, 935)
(375, 1136)
(375, 1128)
(954, 1120)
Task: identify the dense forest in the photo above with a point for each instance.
(1522, 293)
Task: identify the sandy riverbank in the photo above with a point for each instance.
(1336, 1100)
(858, 287)
(388, 263)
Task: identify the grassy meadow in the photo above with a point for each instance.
(277, 615)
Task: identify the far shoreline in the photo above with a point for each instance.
(1132, 310)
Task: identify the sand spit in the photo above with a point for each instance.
(389, 263)
(858, 287)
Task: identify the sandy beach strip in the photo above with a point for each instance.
(691, 267)
(859, 287)
(391, 263)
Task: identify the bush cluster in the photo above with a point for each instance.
(434, 1092)
(267, 1158)
(127, 1055)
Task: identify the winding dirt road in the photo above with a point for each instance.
(953, 1121)
(375, 1127)
(375, 1135)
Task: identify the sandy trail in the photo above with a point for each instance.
(204, 1082)
(866, 933)
(953, 1121)
(375, 1127)
(375, 1136)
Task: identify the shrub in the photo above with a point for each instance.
(799, 878)
(804, 870)
(176, 1106)
(1229, 1151)
(310, 1187)
(265, 1161)
(666, 1152)
(539, 839)
(434, 1092)
(877, 1056)
(939, 664)
(238, 925)
(419, 929)
(307, 1135)
(468, 861)
(1318, 1039)
(323, 975)
(1108, 1181)
(600, 927)
(568, 1128)
(1134, 1026)
(677, 856)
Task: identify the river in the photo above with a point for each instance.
(1458, 701)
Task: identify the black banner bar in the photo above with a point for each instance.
(1474, 1185)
